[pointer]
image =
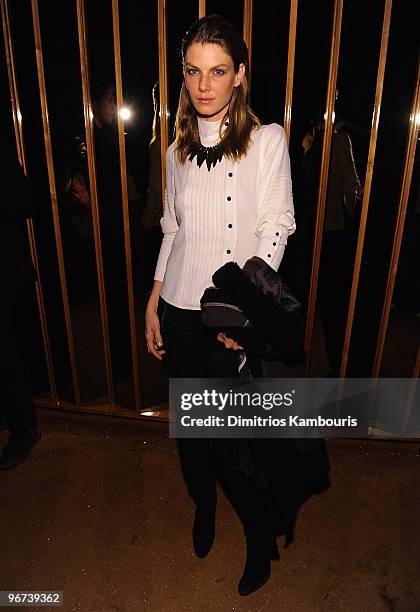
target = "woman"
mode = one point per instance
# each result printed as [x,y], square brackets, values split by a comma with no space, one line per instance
[228,198]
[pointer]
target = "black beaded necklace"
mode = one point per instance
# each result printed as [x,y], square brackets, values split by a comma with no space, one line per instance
[210,155]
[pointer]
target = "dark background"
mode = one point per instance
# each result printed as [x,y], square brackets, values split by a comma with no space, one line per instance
[359,54]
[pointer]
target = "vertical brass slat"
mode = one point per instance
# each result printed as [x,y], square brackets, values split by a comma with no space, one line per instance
[87,110]
[326,148]
[248,13]
[20,144]
[11,73]
[163,88]
[53,192]
[126,216]
[290,68]
[368,184]
[201,8]
[399,227]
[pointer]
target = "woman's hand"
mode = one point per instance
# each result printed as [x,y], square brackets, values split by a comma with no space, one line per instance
[229,343]
[152,326]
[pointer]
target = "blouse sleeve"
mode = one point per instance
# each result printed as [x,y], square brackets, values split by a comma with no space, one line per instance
[169,221]
[275,219]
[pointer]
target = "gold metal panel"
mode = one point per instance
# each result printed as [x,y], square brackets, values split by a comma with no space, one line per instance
[290,68]
[11,73]
[248,13]
[163,89]
[123,167]
[53,192]
[201,8]
[325,161]
[399,226]
[20,145]
[368,183]
[112,407]
[88,114]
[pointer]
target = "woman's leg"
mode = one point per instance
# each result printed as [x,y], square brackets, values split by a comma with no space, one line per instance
[251,507]
[186,345]
[254,512]
[186,356]
[244,496]
[239,489]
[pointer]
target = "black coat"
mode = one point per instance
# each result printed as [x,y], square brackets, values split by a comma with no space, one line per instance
[290,470]
[17,203]
[278,326]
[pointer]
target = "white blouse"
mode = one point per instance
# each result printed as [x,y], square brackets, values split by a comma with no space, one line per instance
[235,211]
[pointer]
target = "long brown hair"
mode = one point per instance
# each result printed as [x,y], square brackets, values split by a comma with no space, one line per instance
[236,138]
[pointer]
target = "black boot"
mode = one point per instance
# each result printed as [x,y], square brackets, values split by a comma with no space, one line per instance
[314,487]
[260,546]
[256,518]
[198,470]
[204,528]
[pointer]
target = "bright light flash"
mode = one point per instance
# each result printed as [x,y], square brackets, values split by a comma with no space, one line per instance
[333,116]
[125,113]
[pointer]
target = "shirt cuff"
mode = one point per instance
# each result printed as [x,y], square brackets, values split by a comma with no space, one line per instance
[271,251]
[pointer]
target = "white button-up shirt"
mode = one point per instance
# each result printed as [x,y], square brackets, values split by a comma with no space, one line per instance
[230,213]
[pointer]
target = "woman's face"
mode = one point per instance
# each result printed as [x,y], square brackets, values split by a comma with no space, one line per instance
[210,78]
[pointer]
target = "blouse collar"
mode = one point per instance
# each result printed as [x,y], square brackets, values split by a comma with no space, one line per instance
[209,131]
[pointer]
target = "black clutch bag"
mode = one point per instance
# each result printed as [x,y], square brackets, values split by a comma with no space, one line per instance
[219,310]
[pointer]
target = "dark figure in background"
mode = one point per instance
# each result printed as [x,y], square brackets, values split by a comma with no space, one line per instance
[339,233]
[112,225]
[151,231]
[76,222]
[18,202]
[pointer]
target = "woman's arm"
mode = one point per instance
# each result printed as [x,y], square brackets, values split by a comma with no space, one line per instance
[170,226]
[275,220]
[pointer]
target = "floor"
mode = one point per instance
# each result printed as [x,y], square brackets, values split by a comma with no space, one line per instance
[100,512]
